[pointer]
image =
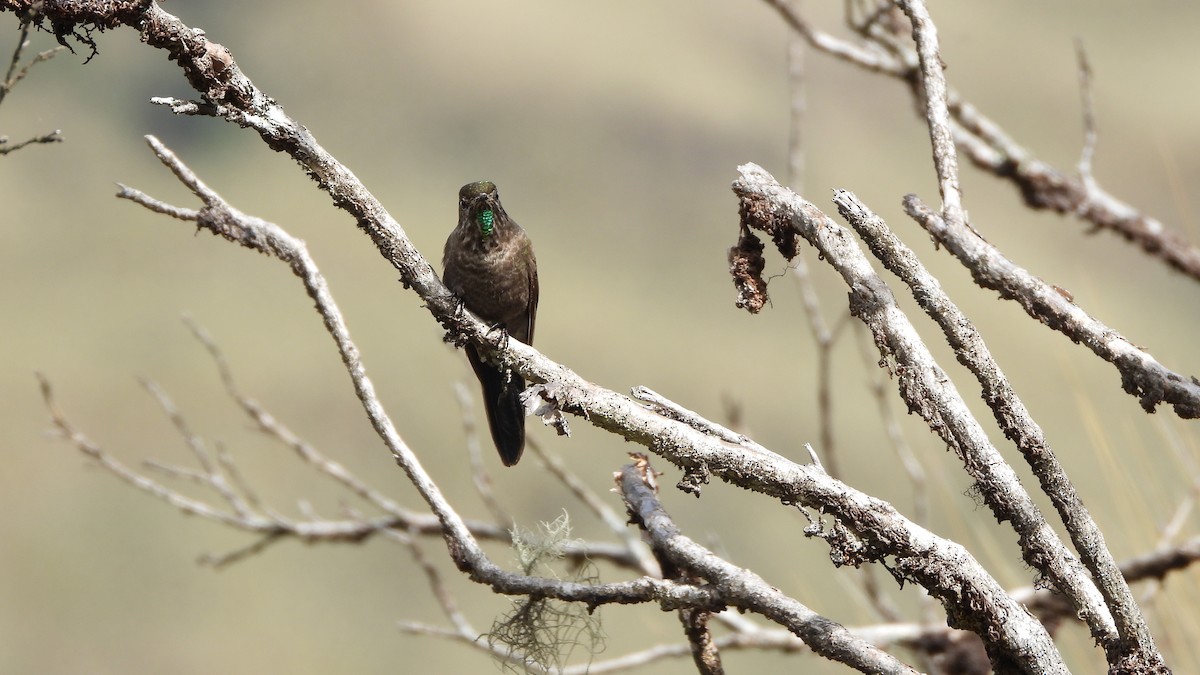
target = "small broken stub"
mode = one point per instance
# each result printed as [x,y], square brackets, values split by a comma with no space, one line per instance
[693,481]
[545,401]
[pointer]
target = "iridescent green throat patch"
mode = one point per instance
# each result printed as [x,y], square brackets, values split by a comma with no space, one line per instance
[486,219]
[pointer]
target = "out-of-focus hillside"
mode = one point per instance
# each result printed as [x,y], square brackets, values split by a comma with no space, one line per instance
[613,131]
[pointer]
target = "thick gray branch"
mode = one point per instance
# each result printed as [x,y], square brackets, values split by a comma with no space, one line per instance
[1141,375]
[743,588]
[1010,413]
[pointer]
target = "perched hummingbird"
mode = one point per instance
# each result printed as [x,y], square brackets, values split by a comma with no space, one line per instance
[488,263]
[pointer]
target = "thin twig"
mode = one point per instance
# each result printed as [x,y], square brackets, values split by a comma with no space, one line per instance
[218,561]
[706,654]
[434,579]
[798,110]
[52,137]
[1087,104]
[937,112]
[1183,510]
[614,522]
[273,527]
[185,504]
[668,408]
[479,471]
[193,441]
[225,459]
[14,75]
[270,425]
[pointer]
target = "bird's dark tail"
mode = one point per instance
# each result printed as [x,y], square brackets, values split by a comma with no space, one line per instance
[502,401]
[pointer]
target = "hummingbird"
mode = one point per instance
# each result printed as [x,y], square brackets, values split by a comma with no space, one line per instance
[489,265]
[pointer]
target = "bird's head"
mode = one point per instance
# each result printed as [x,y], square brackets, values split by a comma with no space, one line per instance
[479,207]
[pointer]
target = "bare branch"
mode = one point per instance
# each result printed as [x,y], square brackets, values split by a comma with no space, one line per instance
[1044,187]
[743,588]
[646,564]
[920,557]
[987,146]
[479,472]
[861,55]
[1088,105]
[434,579]
[16,72]
[270,425]
[1011,415]
[937,113]
[1141,374]
[273,528]
[1165,560]
[185,504]
[13,75]
[670,409]
[259,235]
[706,655]
[863,529]
[1154,566]
[52,137]
[923,384]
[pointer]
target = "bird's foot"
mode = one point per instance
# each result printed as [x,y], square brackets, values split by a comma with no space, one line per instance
[503,334]
[454,328]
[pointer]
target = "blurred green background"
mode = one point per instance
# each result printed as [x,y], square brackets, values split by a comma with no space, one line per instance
[613,130]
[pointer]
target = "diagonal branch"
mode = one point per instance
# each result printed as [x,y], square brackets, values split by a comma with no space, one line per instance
[741,587]
[989,148]
[1011,415]
[220,218]
[786,217]
[1141,375]
[870,530]
[972,598]
[271,426]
